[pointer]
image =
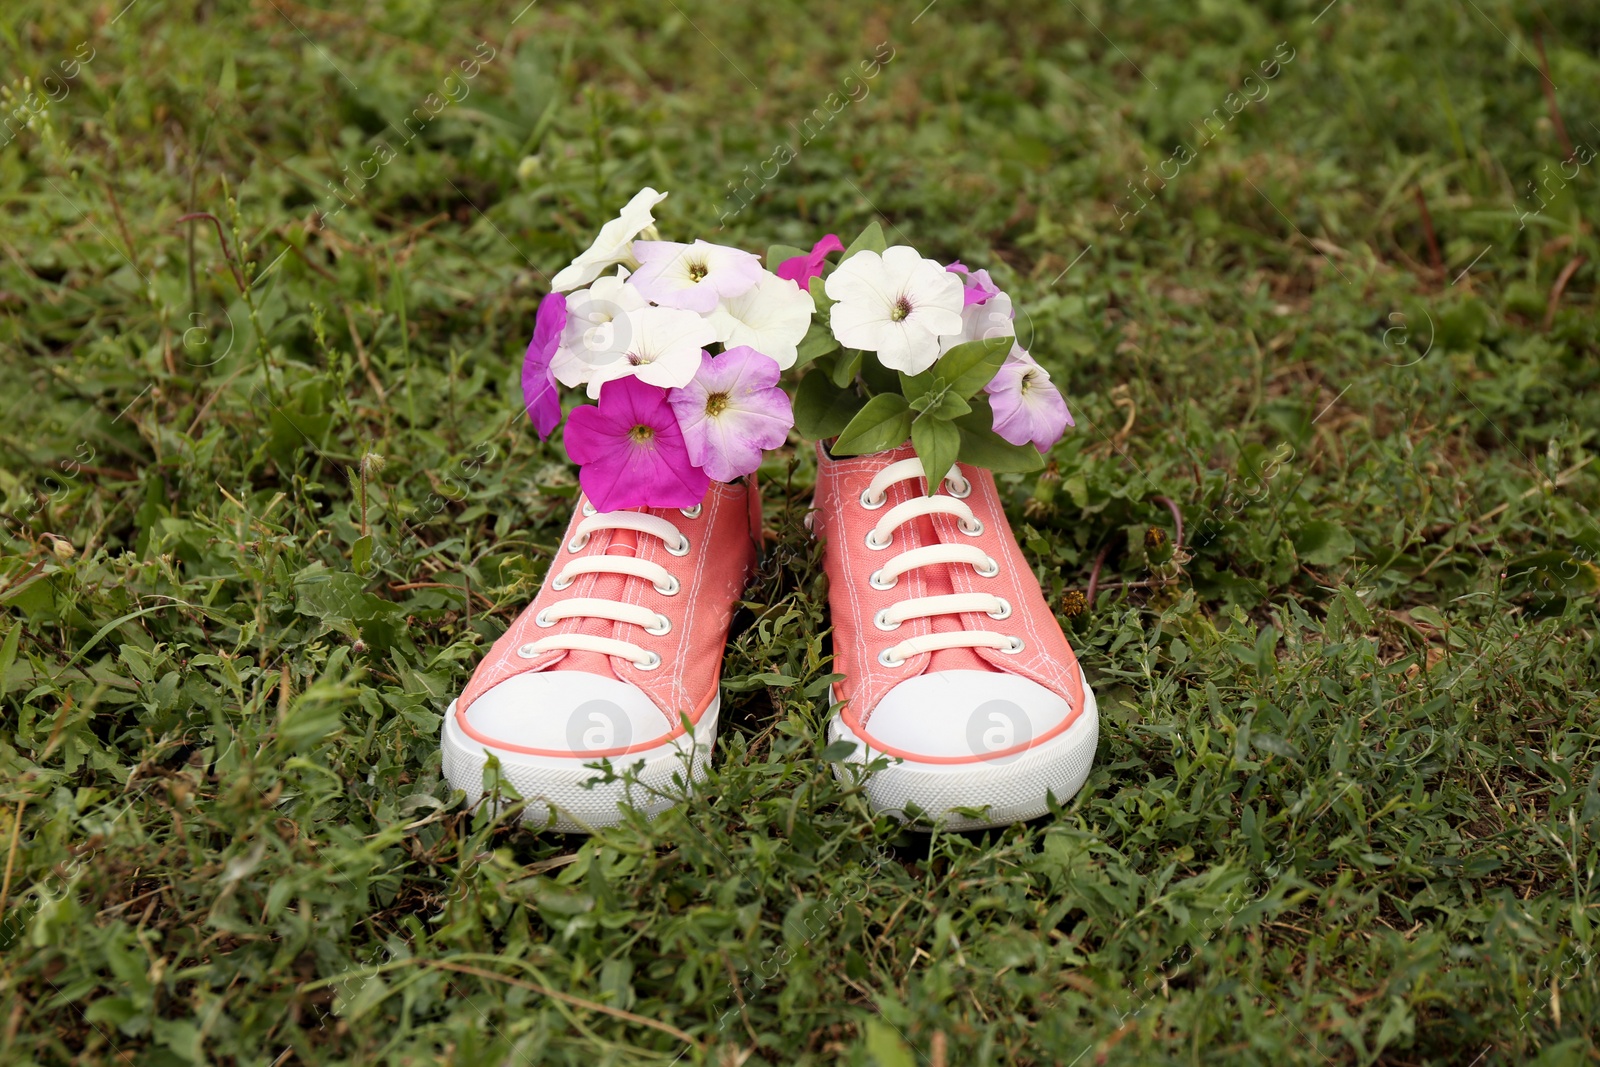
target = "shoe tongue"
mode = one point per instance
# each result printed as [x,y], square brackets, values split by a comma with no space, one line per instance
[938,579]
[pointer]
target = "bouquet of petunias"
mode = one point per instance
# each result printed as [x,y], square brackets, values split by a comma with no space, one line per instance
[683,346]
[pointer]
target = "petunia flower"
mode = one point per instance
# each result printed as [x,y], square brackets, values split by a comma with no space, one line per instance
[538,384]
[896,304]
[693,277]
[772,318]
[801,269]
[732,412]
[630,452]
[657,345]
[977,285]
[614,243]
[1027,407]
[597,329]
[980,322]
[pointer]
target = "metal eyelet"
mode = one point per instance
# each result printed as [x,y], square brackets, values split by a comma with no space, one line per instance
[589,510]
[527,651]
[649,663]
[540,620]
[578,543]
[882,623]
[691,513]
[874,545]
[958,487]
[673,585]
[660,629]
[888,660]
[561,581]
[870,504]
[1014,647]
[974,530]
[680,549]
[1004,612]
[991,570]
[876,581]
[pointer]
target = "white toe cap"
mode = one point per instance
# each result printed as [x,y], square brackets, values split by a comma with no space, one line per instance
[587,715]
[964,714]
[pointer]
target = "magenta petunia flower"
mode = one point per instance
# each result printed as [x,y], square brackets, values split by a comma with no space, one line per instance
[539,394]
[1027,407]
[801,269]
[732,412]
[630,452]
[976,285]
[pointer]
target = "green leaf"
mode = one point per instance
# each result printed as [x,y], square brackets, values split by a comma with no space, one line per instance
[844,372]
[883,423]
[879,379]
[937,443]
[8,654]
[1554,572]
[870,240]
[776,254]
[982,447]
[821,409]
[948,407]
[1324,544]
[923,389]
[819,341]
[819,295]
[885,1048]
[361,554]
[838,751]
[971,366]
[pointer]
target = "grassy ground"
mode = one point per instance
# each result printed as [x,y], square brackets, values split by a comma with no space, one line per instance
[1345,803]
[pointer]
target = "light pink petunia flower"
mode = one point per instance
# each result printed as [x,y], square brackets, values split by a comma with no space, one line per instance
[693,277]
[1027,407]
[732,412]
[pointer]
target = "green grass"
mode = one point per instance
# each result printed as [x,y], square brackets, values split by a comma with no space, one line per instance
[1345,804]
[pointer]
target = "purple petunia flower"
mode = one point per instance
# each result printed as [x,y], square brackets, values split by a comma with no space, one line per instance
[732,412]
[1027,407]
[977,286]
[630,451]
[801,269]
[538,383]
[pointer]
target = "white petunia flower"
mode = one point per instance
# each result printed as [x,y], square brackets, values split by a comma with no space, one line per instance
[897,304]
[596,333]
[663,347]
[772,318]
[693,277]
[613,245]
[979,322]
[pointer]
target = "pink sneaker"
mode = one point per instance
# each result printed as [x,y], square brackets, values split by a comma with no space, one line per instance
[621,646]
[953,664]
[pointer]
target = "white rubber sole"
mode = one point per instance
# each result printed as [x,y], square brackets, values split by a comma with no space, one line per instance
[1008,790]
[557,786]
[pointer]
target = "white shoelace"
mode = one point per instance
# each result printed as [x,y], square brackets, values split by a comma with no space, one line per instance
[665,582]
[881,537]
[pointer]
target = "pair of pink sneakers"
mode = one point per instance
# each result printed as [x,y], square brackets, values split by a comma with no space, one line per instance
[954,667]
